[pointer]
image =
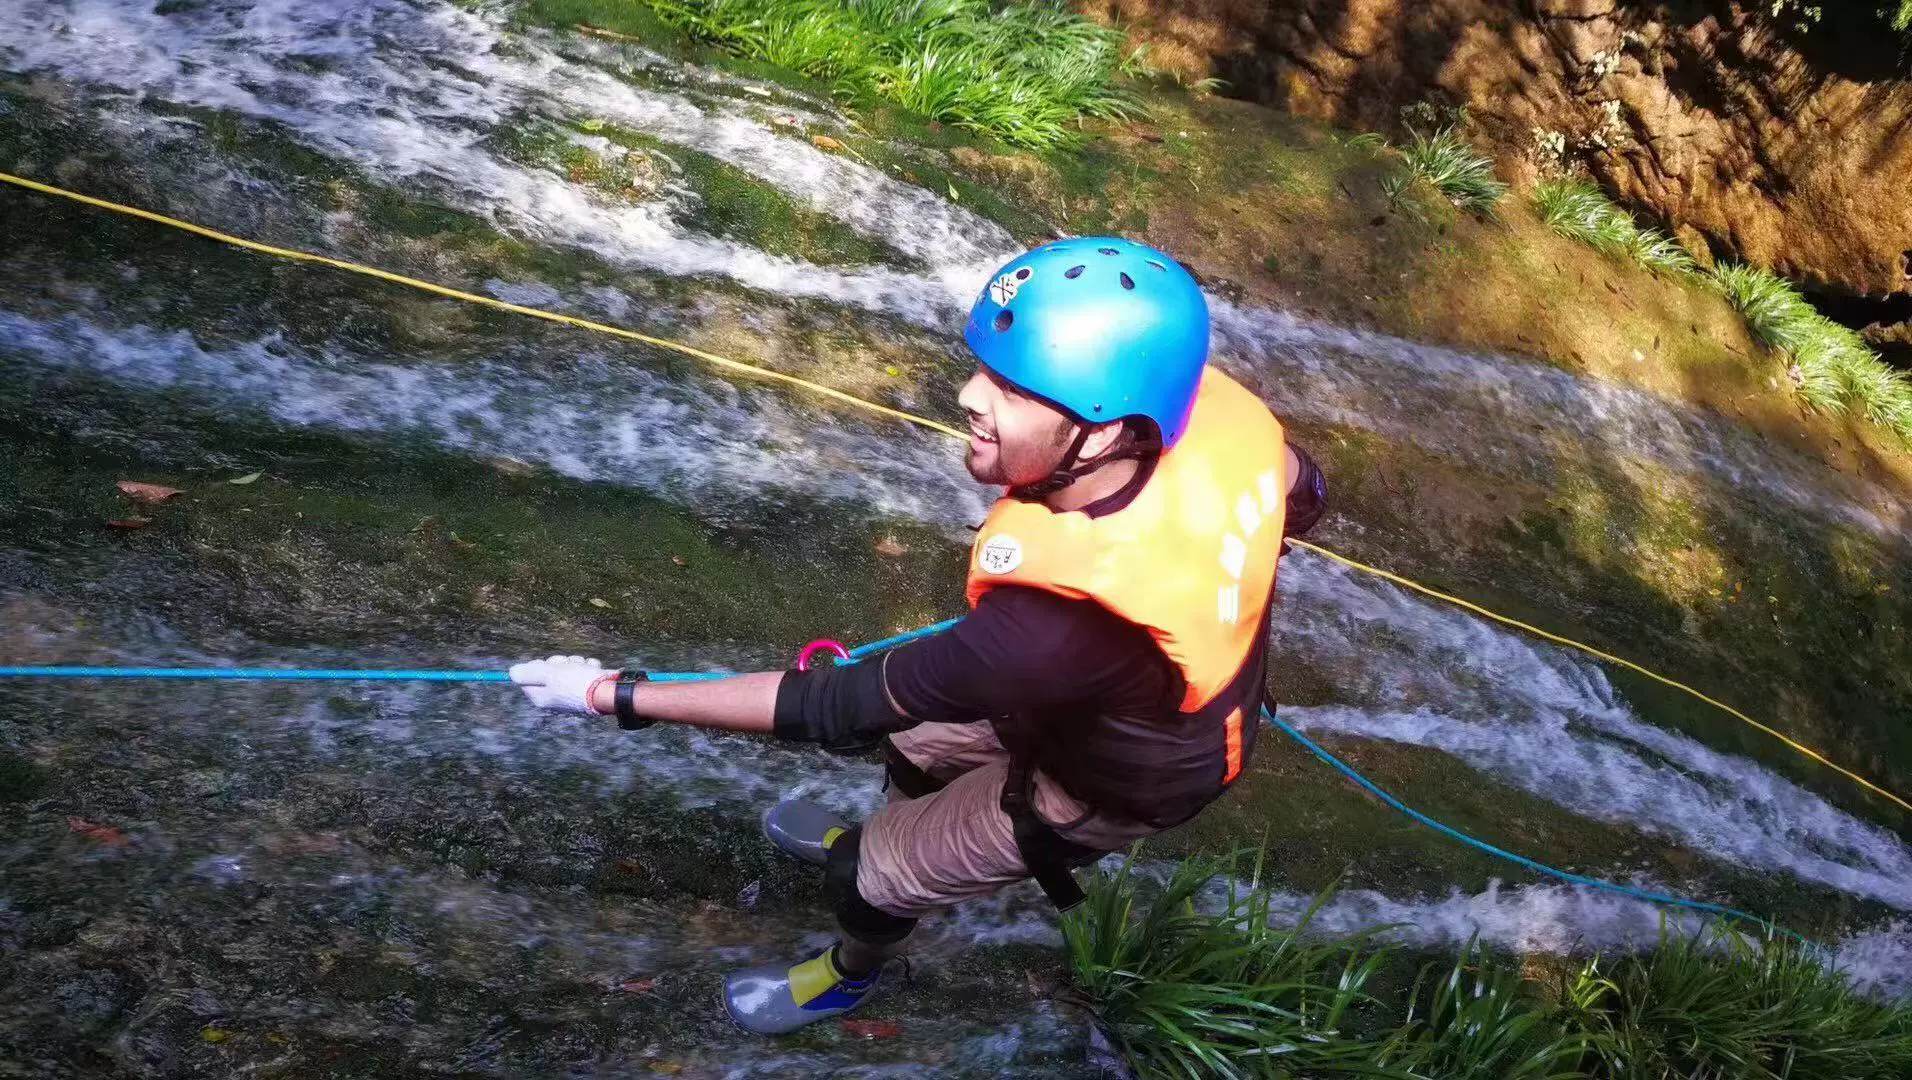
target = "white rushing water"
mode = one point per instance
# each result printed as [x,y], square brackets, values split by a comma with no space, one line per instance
[1549,722]
[410,91]
[1484,410]
[706,441]
[1564,919]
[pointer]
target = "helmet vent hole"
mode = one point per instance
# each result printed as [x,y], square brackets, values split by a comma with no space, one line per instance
[1128,282]
[1108,251]
[1158,266]
[1023,274]
[1073,272]
[1004,320]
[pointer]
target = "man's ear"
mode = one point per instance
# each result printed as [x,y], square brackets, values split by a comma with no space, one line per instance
[1102,437]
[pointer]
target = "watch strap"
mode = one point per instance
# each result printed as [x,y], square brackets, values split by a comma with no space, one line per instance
[624,701]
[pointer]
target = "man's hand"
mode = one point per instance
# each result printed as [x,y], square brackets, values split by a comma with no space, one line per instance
[561,682]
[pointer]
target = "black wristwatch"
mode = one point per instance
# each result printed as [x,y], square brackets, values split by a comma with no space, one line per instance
[624,703]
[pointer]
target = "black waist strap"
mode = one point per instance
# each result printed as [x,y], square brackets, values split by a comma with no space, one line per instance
[1045,853]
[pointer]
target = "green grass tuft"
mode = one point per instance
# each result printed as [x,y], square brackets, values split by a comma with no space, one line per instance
[1193,993]
[1444,160]
[1580,211]
[1725,1004]
[1026,73]
[1187,985]
[1833,367]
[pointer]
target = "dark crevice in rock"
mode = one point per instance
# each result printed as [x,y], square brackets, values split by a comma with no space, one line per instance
[1884,321]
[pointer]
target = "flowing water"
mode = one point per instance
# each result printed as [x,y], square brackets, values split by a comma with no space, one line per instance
[201,879]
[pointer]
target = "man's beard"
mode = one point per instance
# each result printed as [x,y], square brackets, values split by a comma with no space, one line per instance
[999,473]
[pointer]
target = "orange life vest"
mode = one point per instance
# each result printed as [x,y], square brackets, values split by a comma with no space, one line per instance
[1191,559]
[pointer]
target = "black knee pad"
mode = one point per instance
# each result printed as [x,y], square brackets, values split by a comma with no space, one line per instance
[902,774]
[854,914]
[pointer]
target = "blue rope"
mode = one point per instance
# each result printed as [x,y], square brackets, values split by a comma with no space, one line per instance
[375,675]
[1523,861]
[873,647]
[286,674]
[862,652]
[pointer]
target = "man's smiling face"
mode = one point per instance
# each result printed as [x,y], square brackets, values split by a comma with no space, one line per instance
[1014,439]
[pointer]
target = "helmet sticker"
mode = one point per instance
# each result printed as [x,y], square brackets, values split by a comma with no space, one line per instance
[1000,555]
[1003,289]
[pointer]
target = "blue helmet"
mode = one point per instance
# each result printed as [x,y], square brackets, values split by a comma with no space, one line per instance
[1105,328]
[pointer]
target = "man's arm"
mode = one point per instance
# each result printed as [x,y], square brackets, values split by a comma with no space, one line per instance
[1021,649]
[745,703]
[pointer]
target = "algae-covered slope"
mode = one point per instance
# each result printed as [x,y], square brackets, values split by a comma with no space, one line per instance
[408,880]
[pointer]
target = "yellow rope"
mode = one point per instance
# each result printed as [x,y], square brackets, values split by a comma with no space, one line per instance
[850,399]
[473,298]
[1607,656]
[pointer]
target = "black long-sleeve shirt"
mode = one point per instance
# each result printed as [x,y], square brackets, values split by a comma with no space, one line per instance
[1022,649]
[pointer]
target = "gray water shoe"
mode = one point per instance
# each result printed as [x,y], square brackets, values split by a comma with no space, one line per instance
[803,829]
[778,999]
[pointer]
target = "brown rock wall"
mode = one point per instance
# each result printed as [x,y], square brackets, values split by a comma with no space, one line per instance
[1697,113]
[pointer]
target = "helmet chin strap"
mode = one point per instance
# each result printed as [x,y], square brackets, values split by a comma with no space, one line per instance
[1065,473]
[1071,468]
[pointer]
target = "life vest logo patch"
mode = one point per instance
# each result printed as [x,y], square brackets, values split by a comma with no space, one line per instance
[1000,555]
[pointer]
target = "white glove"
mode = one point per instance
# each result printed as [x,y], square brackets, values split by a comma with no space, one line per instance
[561,682]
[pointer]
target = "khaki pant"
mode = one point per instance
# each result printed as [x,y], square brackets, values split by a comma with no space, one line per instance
[919,855]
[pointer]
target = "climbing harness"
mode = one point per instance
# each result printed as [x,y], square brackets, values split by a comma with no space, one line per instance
[853,655]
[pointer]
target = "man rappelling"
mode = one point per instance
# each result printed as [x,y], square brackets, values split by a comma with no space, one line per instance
[1108,682]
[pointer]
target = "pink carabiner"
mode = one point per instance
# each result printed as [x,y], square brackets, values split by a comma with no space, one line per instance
[817,646]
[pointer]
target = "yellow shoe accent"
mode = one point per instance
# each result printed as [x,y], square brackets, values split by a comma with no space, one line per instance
[830,836]
[813,977]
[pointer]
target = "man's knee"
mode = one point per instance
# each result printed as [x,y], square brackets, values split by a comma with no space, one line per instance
[857,916]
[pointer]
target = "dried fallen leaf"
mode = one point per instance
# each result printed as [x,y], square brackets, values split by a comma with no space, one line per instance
[105,834]
[680,560]
[893,371]
[784,121]
[276,1039]
[600,602]
[249,478]
[631,867]
[603,33]
[891,548]
[129,523]
[871,1029]
[637,986]
[214,1035]
[512,466]
[824,142]
[146,493]
[593,124]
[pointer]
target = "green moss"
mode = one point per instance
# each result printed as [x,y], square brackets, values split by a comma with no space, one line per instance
[733,204]
[20,780]
[366,538]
